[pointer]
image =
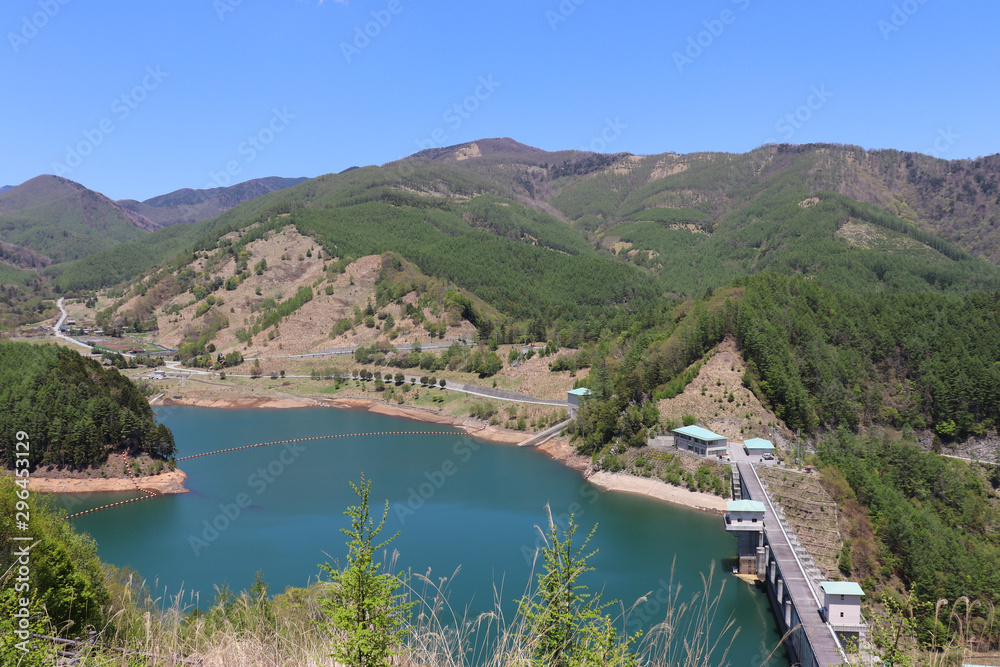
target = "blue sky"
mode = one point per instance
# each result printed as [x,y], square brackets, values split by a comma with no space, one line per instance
[135,99]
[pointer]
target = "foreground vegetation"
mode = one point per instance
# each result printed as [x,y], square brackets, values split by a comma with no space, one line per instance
[363,614]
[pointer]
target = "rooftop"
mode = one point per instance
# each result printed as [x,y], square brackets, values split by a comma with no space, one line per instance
[841,588]
[745,506]
[758,443]
[580,391]
[699,432]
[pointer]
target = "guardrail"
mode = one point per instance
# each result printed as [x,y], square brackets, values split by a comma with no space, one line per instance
[795,555]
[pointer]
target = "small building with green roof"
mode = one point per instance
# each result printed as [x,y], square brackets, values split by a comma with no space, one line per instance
[700,441]
[842,607]
[575,396]
[759,447]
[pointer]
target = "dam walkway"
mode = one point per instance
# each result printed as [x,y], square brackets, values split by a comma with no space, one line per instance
[791,591]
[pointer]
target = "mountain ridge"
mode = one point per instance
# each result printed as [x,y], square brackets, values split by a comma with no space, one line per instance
[61,220]
[193,205]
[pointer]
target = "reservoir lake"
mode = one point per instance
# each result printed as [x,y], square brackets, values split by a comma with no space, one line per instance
[459,503]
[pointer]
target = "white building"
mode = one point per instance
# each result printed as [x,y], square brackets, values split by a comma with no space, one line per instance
[700,441]
[745,518]
[842,606]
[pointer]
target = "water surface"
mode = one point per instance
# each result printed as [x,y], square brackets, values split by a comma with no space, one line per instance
[458,503]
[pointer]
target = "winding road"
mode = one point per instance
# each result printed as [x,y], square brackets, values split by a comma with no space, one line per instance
[464,388]
[58,328]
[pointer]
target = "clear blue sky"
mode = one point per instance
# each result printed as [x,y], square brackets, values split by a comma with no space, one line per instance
[165,95]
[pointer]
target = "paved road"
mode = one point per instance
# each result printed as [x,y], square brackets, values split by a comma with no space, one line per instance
[804,596]
[542,436]
[335,351]
[475,390]
[58,329]
[502,395]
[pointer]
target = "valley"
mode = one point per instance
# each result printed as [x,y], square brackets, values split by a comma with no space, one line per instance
[776,294]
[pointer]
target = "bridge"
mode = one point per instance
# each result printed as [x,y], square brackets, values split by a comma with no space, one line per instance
[796,604]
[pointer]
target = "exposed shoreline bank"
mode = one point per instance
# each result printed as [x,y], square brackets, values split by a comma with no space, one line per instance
[558,448]
[166,483]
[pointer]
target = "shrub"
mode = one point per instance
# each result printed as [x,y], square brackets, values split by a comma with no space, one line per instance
[367,611]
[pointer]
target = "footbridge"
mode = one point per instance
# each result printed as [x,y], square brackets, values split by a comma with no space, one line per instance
[810,640]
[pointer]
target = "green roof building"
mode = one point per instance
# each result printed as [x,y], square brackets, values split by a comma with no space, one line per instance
[700,441]
[575,396]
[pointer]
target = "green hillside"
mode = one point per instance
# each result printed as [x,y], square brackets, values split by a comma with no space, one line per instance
[63,220]
[523,262]
[188,205]
[75,411]
[124,261]
[693,222]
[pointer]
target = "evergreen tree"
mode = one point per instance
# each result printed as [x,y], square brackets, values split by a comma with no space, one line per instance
[367,612]
[567,626]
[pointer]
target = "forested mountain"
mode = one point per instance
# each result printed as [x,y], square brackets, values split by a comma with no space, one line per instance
[74,411]
[187,205]
[694,221]
[580,246]
[63,220]
[50,219]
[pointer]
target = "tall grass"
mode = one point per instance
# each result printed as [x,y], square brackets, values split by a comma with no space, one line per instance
[289,629]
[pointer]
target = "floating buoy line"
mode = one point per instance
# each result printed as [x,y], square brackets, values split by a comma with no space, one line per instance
[152,494]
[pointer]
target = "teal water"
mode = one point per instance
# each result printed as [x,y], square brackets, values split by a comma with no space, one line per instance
[458,502]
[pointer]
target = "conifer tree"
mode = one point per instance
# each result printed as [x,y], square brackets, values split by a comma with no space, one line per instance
[367,613]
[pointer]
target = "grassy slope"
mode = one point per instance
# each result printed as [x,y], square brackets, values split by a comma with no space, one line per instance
[62,219]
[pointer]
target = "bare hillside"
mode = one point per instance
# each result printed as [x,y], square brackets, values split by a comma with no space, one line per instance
[294,261]
[707,399]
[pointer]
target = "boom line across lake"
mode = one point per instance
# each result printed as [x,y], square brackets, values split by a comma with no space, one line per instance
[259,444]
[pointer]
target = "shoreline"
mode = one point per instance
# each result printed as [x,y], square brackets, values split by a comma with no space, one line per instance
[557,448]
[166,483]
[645,486]
[470,425]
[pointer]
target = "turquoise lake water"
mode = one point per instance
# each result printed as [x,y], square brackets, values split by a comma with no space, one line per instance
[458,502]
